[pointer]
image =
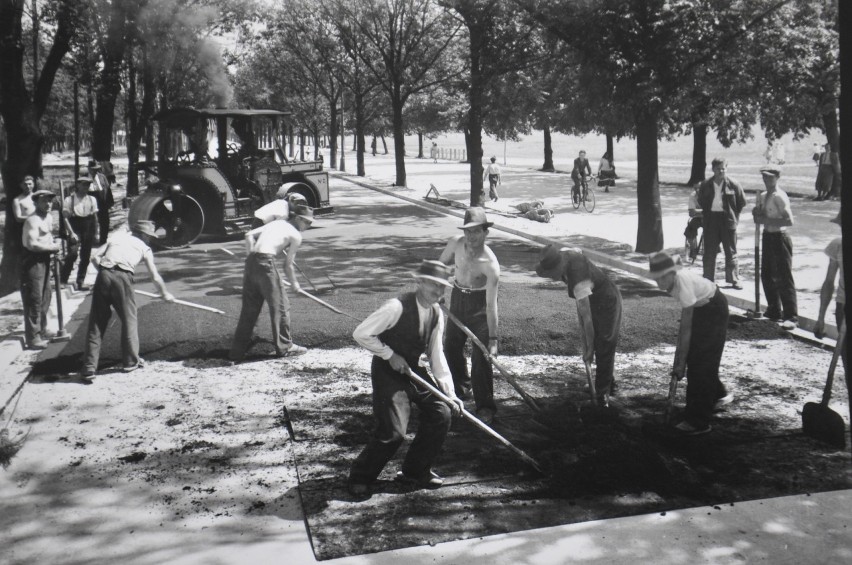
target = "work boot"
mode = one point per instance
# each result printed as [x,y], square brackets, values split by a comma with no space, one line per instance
[430,481]
[38,343]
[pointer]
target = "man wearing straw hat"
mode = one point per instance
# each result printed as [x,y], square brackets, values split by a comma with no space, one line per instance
[102,191]
[116,263]
[38,246]
[397,334]
[700,341]
[598,310]
[474,303]
[262,282]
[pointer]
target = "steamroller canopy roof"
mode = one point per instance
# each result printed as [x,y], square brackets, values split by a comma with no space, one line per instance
[179,117]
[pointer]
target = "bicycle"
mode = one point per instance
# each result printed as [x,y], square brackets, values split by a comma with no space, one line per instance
[585,195]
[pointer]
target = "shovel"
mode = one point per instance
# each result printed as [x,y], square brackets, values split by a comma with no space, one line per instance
[671,398]
[818,420]
[754,314]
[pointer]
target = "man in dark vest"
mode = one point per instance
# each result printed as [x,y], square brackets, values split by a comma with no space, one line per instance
[397,334]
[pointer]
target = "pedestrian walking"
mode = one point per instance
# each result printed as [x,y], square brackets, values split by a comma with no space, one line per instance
[598,310]
[262,282]
[700,342]
[606,172]
[79,212]
[773,211]
[23,205]
[116,263]
[100,188]
[433,152]
[37,251]
[397,334]
[474,302]
[825,173]
[494,175]
[721,200]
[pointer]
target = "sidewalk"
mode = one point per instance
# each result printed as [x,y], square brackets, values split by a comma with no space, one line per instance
[797,529]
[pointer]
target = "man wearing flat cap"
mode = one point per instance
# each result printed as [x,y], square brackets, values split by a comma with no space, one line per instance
[598,310]
[116,263]
[474,303]
[773,211]
[721,200]
[79,212]
[397,334]
[262,282]
[101,190]
[39,246]
[700,341]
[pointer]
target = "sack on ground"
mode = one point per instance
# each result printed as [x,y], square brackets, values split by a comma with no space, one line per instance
[540,215]
[527,206]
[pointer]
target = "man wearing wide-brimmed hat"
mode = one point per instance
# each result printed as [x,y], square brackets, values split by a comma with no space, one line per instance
[700,342]
[397,334]
[79,212]
[474,303]
[262,282]
[102,191]
[116,263]
[598,310]
[773,211]
[39,246]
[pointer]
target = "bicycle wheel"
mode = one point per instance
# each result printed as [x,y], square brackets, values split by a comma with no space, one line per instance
[589,200]
[575,199]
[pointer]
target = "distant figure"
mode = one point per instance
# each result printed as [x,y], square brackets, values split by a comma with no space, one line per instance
[825,173]
[23,205]
[694,224]
[606,172]
[581,165]
[773,211]
[373,146]
[494,176]
[721,200]
[433,153]
[101,190]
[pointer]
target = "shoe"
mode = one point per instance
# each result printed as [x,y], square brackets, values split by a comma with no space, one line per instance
[86,373]
[431,481]
[82,287]
[358,489]
[686,429]
[723,401]
[736,286]
[38,343]
[293,351]
[772,315]
[485,415]
[139,364]
[789,325]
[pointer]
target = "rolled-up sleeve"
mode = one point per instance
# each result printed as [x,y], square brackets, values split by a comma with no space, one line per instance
[437,360]
[367,332]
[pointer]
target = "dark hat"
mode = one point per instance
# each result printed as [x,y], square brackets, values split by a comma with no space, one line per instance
[304,212]
[836,219]
[145,226]
[86,181]
[475,216]
[434,271]
[549,258]
[772,170]
[42,192]
[662,263]
[94,165]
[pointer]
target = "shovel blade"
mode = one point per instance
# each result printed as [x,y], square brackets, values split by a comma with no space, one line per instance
[822,423]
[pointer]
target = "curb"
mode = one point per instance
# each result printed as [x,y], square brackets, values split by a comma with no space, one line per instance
[803,333]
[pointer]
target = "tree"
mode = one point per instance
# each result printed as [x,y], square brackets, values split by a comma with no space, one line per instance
[22,109]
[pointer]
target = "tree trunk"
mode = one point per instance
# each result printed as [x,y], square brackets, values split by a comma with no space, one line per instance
[649,236]
[110,83]
[473,142]
[473,126]
[832,135]
[332,132]
[398,139]
[361,135]
[385,144]
[548,150]
[610,148]
[419,144]
[699,154]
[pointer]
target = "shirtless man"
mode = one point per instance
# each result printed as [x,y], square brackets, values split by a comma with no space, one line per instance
[262,282]
[474,303]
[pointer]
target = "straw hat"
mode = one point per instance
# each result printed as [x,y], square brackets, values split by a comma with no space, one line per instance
[42,192]
[304,212]
[771,170]
[475,216]
[662,263]
[434,271]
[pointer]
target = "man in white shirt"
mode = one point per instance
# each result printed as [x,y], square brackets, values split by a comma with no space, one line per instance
[79,212]
[700,341]
[494,176]
[773,211]
[397,334]
[39,246]
[101,189]
[262,282]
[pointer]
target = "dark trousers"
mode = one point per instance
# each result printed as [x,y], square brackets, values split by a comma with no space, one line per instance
[85,229]
[707,342]
[35,293]
[716,231]
[469,308]
[262,283]
[776,273]
[606,319]
[103,215]
[393,394]
[113,289]
[492,186]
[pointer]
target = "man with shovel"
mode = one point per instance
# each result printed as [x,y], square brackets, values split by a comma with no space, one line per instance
[397,334]
[598,310]
[474,303]
[262,282]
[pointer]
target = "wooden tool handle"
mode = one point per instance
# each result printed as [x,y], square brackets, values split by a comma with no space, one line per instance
[838,347]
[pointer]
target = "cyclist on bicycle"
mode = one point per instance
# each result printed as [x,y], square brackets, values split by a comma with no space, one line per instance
[581,165]
[695,222]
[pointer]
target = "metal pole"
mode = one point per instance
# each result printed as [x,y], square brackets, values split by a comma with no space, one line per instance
[342,134]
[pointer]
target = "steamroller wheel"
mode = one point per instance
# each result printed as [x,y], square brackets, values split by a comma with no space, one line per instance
[178,220]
